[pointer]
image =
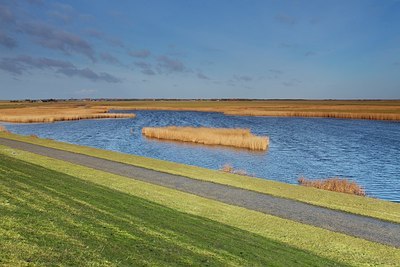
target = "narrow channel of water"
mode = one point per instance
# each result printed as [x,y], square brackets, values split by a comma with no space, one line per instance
[365,151]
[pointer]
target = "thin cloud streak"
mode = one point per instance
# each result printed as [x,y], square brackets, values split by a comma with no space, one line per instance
[108,58]
[285,19]
[310,53]
[57,39]
[276,71]
[144,53]
[243,78]
[103,37]
[6,16]
[169,65]
[22,64]
[89,74]
[7,41]
[201,75]
[146,68]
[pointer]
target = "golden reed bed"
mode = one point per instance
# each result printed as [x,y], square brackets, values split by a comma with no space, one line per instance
[338,115]
[361,114]
[344,109]
[52,114]
[241,138]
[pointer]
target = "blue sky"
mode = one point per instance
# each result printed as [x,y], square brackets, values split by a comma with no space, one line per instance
[200,49]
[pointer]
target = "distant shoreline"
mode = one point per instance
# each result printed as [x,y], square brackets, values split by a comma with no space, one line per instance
[45,110]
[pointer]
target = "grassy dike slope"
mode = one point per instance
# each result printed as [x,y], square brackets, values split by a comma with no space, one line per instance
[56,212]
[354,204]
[48,217]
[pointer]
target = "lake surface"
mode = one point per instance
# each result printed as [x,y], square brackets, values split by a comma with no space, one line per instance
[367,152]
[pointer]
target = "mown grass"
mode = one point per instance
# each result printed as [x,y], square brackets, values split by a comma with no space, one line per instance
[50,218]
[354,204]
[241,138]
[326,244]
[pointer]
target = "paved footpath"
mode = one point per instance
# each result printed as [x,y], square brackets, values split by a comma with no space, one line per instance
[355,225]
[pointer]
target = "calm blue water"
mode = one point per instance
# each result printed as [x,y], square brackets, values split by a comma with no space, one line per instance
[365,151]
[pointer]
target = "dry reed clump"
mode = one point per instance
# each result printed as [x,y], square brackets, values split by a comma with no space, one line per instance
[241,138]
[229,169]
[52,114]
[334,184]
[3,129]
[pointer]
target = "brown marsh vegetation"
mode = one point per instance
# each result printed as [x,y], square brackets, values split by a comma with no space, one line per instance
[230,169]
[56,113]
[339,115]
[241,138]
[334,184]
[345,109]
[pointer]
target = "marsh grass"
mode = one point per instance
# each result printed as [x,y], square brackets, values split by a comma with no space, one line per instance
[320,114]
[344,109]
[334,184]
[54,118]
[59,113]
[241,138]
